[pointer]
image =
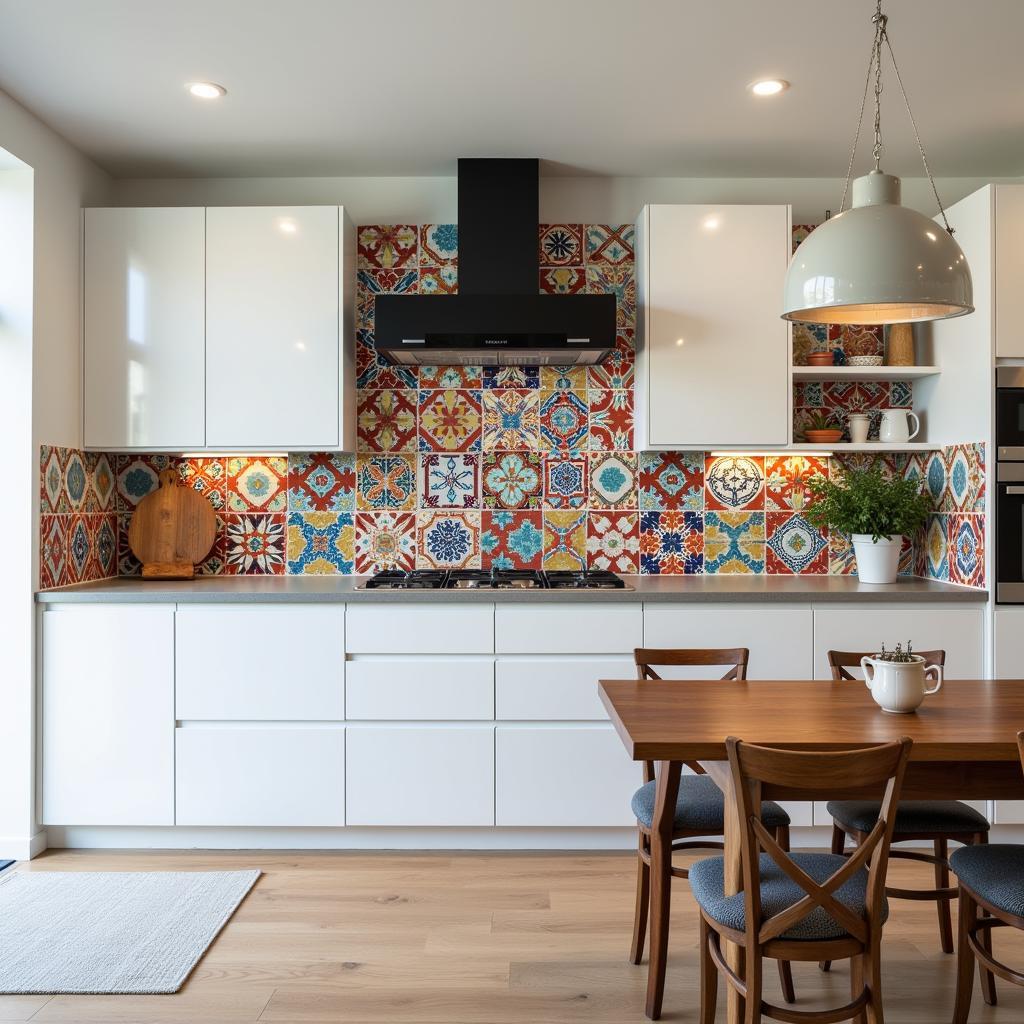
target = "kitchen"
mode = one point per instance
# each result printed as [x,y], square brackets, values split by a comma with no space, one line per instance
[362,466]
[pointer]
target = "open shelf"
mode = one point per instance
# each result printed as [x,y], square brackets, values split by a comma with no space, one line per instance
[867,446]
[863,372]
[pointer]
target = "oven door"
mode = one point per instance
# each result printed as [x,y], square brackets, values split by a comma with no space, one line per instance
[1010,424]
[1010,533]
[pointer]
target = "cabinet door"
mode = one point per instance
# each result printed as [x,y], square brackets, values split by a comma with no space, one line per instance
[419,628]
[108,716]
[272,327]
[144,331]
[555,689]
[420,775]
[260,775]
[714,352]
[1009,270]
[420,689]
[568,628]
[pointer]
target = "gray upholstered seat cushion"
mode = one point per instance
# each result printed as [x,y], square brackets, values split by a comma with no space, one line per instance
[995,873]
[778,892]
[912,816]
[700,807]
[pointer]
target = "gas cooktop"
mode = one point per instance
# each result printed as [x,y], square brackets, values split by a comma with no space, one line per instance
[494,579]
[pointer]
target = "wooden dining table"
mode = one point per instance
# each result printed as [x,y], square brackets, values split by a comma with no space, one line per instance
[965,747]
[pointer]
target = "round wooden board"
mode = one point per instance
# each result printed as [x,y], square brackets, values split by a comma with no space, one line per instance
[172,530]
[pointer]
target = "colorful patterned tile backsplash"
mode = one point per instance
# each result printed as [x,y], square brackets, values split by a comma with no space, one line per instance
[514,467]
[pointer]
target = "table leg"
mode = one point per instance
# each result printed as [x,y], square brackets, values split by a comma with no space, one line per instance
[666,792]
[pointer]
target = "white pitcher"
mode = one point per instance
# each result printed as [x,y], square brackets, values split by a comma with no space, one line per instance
[898,686]
[895,427]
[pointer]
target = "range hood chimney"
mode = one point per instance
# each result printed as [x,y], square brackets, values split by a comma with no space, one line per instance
[498,317]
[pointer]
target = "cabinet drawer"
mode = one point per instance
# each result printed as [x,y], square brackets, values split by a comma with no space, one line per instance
[420,775]
[260,775]
[412,688]
[260,663]
[568,629]
[553,689]
[420,629]
[563,776]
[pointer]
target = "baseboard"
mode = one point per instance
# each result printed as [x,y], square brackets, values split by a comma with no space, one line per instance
[23,847]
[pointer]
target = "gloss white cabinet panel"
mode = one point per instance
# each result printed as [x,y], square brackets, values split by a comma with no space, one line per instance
[712,351]
[568,628]
[563,776]
[420,628]
[273,327]
[1009,270]
[1009,642]
[143,309]
[395,689]
[263,662]
[260,775]
[420,775]
[779,638]
[555,689]
[108,715]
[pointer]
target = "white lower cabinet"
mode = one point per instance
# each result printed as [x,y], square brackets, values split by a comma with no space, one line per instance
[396,689]
[260,775]
[563,776]
[420,775]
[568,628]
[555,689]
[108,715]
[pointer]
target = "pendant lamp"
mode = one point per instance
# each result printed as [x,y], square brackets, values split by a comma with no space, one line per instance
[878,262]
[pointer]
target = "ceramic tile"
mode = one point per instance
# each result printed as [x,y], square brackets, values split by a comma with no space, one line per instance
[671,543]
[906,562]
[620,281]
[207,477]
[565,481]
[386,421]
[611,420]
[137,475]
[102,560]
[733,482]
[53,550]
[447,377]
[320,543]
[901,395]
[439,281]
[373,372]
[808,394]
[511,540]
[734,542]
[391,281]
[321,482]
[254,544]
[613,482]
[511,377]
[100,495]
[385,482]
[613,541]
[511,420]
[257,484]
[935,479]
[512,480]
[385,541]
[855,396]
[450,480]
[450,420]
[794,546]
[856,340]
[439,245]
[215,563]
[609,243]
[841,560]
[671,481]
[787,479]
[564,378]
[127,563]
[560,245]
[562,280]
[565,540]
[966,549]
[52,496]
[448,540]
[76,480]
[617,370]
[386,246]
[563,421]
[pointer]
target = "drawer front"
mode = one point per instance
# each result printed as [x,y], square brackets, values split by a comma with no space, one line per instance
[568,629]
[555,689]
[257,775]
[420,775]
[420,629]
[259,664]
[417,689]
[563,776]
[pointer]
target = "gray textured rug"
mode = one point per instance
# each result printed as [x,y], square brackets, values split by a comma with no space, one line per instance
[104,932]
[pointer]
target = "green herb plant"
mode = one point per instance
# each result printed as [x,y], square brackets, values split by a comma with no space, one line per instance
[820,420]
[865,501]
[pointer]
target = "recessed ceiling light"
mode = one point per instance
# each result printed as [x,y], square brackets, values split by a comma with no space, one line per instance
[207,90]
[768,86]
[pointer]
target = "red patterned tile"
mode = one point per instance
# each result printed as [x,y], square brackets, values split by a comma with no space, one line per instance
[387,246]
[512,480]
[439,281]
[611,420]
[209,477]
[794,547]
[254,544]
[671,481]
[385,541]
[787,479]
[386,421]
[321,482]
[439,245]
[613,541]
[562,280]
[966,549]
[609,243]
[561,245]
[450,420]
[53,550]
[512,540]
[257,484]
[374,372]
[445,378]
[734,482]
[617,369]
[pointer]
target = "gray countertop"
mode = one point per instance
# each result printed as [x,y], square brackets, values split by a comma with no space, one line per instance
[319,589]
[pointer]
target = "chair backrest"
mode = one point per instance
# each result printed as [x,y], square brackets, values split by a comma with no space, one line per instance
[1020,746]
[736,657]
[840,661]
[752,766]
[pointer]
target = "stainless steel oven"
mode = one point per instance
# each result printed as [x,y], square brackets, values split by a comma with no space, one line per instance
[1009,500]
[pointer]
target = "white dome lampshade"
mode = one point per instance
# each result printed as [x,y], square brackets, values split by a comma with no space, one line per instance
[877,263]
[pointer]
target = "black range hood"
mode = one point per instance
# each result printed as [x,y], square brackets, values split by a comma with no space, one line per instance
[497,318]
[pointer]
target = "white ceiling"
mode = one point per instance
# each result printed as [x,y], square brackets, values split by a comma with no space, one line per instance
[403,87]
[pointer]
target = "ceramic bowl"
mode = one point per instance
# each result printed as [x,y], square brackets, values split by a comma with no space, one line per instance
[864,360]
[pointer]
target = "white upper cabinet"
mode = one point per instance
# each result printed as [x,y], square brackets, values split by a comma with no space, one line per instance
[143,328]
[1009,270]
[712,350]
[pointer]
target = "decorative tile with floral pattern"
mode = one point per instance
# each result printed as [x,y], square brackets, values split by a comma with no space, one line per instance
[734,542]
[79,547]
[841,559]
[966,549]
[511,420]
[512,480]
[563,280]
[617,370]
[611,421]
[320,543]
[137,475]
[613,541]
[935,479]
[321,482]
[671,481]
[449,480]
[386,421]
[609,243]
[439,280]
[787,478]
[448,540]
[51,468]
[511,377]
[563,421]
[257,484]
[373,372]
[254,544]
[386,246]
[564,378]
[794,546]
[208,477]
[53,550]
[734,482]
[561,245]
[102,562]
[385,482]
[439,245]
[565,540]
[511,540]
[935,548]
[385,541]
[671,543]
[565,481]
[447,377]
[76,480]
[450,420]
[100,493]
[612,480]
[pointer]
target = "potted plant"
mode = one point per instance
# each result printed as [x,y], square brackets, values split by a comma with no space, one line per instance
[876,511]
[822,427]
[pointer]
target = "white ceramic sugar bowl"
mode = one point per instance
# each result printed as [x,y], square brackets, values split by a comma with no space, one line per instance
[899,686]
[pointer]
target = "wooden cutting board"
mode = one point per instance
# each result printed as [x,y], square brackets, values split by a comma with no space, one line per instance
[172,530]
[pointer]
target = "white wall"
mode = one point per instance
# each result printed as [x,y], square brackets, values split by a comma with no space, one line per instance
[43,404]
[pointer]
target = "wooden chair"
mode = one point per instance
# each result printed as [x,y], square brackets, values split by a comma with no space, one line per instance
[799,906]
[700,808]
[936,821]
[992,884]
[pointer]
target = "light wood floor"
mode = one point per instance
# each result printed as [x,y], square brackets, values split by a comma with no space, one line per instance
[454,939]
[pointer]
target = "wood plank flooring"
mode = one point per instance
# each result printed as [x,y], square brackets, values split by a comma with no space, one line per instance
[468,939]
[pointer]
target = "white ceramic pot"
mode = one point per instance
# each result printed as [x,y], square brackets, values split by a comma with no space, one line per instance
[895,426]
[899,687]
[878,561]
[859,422]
